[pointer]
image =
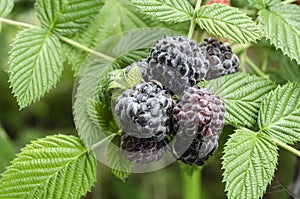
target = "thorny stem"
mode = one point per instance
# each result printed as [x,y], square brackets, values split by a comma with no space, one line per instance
[191,184]
[193,20]
[62,38]
[286,147]
[256,69]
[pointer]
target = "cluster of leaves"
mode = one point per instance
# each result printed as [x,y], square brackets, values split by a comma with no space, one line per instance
[264,114]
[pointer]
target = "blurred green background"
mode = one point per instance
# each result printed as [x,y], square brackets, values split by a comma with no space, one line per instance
[53,115]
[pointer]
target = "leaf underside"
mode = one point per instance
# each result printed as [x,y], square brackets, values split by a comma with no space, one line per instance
[57,166]
[249,164]
[279,114]
[281,25]
[242,95]
[227,22]
[35,65]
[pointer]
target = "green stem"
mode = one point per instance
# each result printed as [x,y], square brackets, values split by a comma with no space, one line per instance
[243,61]
[288,1]
[17,23]
[98,144]
[236,49]
[82,47]
[193,20]
[191,184]
[62,38]
[264,66]
[256,69]
[287,147]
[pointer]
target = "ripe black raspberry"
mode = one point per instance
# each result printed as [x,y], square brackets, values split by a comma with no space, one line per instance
[142,150]
[142,66]
[176,62]
[221,59]
[198,119]
[144,111]
[198,151]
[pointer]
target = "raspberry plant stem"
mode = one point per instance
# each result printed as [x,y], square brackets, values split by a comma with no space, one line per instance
[62,38]
[288,1]
[98,144]
[286,147]
[191,184]
[256,69]
[193,20]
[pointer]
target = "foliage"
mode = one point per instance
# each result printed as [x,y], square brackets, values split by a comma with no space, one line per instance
[60,167]
[263,113]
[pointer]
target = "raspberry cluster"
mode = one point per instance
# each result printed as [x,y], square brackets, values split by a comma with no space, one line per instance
[150,118]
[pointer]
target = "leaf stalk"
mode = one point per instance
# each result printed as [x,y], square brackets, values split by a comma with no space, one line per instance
[288,1]
[286,147]
[193,19]
[256,69]
[62,38]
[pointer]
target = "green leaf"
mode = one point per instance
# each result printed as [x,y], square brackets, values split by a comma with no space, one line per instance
[118,80]
[35,65]
[290,69]
[6,7]
[227,22]
[109,25]
[95,68]
[242,95]
[66,17]
[281,25]
[7,150]
[102,117]
[166,10]
[118,163]
[279,114]
[261,4]
[57,166]
[249,164]
[134,76]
